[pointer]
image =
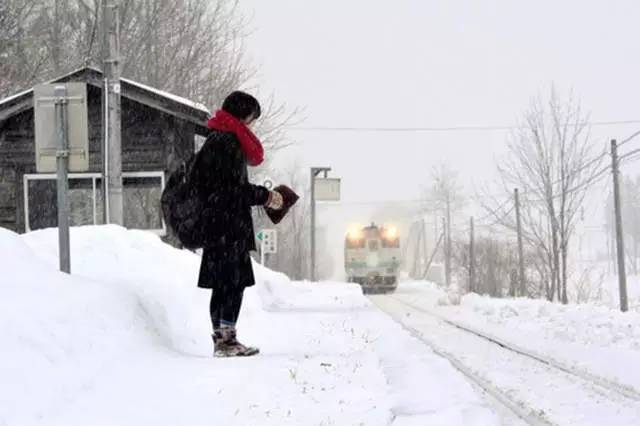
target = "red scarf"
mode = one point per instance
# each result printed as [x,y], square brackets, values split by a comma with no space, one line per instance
[251,146]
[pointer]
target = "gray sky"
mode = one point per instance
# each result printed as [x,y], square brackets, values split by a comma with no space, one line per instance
[437,63]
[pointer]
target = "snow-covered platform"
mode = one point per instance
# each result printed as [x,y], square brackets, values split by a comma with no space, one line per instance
[125,341]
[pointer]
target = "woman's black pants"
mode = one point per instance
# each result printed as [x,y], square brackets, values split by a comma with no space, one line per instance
[225,305]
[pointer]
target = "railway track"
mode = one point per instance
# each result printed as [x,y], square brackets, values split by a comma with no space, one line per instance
[537,389]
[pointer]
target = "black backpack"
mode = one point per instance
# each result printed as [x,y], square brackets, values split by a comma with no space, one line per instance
[182,207]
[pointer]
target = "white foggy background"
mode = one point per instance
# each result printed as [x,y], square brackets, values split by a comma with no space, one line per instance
[439,64]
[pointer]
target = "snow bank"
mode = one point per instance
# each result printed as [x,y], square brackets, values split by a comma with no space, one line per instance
[125,340]
[591,337]
[585,324]
[279,293]
[55,337]
[159,278]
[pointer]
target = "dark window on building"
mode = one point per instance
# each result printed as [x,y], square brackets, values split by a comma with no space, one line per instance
[142,202]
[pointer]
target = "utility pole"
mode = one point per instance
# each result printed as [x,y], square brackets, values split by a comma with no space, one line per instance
[315,171]
[114,209]
[417,258]
[425,242]
[472,261]
[521,277]
[447,253]
[622,273]
[448,240]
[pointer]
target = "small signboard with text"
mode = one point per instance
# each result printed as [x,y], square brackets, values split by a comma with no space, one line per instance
[47,134]
[268,241]
[327,189]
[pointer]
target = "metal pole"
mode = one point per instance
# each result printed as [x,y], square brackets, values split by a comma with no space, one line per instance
[105,155]
[472,271]
[314,172]
[622,273]
[62,160]
[312,271]
[521,277]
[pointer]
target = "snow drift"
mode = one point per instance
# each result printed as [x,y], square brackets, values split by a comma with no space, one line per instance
[124,340]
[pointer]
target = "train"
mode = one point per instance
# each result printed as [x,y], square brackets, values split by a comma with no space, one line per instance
[372,257]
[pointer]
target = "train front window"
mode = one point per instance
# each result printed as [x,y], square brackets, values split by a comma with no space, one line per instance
[355,243]
[373,245]
[391,243]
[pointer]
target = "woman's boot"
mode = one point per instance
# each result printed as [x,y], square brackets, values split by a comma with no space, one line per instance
[225,344]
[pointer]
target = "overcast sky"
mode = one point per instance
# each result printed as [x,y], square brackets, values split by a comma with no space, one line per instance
[437,63]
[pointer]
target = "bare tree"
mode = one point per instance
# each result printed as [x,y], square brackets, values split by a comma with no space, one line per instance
[550,160]
[293,232]
[630,189]
[495,264]
[445,199]
[193,48]
[21,40]
[445,193]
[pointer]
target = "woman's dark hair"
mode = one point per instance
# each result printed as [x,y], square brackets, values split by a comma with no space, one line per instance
[242,105]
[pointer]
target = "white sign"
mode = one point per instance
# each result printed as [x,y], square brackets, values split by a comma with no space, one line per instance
[46,131]
[269,241]
[327,189]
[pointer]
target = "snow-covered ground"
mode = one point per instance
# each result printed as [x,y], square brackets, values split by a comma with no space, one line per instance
[539,391]
[125,341]
[591,337]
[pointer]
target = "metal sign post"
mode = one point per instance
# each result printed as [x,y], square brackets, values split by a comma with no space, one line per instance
[62,159]
[330,191]
[62,145]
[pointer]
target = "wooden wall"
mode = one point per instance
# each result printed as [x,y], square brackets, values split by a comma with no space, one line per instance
[151,140]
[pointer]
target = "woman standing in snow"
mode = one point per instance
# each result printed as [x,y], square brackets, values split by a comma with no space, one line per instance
[221,178]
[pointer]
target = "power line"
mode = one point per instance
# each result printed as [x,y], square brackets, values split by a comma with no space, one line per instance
[457,128]
[629,138]
[592,181]
[629,155]
[633,158]
[494,213]
[419,201]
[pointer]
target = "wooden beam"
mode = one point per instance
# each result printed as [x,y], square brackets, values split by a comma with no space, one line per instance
[15,109]
[132,92]
[165,107]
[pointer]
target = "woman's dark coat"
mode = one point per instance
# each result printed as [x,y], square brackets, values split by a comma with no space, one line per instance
[221,178]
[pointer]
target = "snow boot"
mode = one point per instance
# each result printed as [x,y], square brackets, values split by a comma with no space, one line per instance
[225,344]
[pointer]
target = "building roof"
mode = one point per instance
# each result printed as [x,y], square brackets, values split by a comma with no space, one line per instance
[169,103]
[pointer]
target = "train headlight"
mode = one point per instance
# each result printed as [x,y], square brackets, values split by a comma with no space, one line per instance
[391,233]
[355,233]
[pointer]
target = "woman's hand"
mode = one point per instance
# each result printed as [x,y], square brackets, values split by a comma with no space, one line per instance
[275,200]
